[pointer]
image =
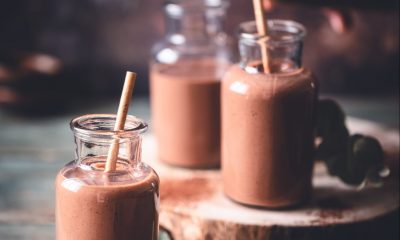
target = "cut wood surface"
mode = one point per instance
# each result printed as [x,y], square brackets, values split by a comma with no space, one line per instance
[193,205]
[29,163]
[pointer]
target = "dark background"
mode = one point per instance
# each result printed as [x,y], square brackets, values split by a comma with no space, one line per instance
[89,44]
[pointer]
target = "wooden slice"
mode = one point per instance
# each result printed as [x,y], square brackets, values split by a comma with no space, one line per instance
[193,205]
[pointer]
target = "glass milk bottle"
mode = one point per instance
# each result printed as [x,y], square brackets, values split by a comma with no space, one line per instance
[268,119]
[92,204]
[185,75]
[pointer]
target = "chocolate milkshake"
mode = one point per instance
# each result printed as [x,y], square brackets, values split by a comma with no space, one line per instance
[267,126]
[92,204]
[185,76]
[185,100]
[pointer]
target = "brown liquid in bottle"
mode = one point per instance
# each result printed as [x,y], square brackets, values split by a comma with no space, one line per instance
[185,100]
[89,208]
[267,136]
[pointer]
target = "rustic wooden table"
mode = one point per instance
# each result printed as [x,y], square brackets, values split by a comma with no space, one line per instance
[33,149]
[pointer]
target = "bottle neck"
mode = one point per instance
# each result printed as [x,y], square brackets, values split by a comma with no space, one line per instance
[92,152]
[283,43]
[191,24]
[94,136]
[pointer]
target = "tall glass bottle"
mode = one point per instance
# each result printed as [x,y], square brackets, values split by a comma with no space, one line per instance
[268,119]
[185,76]
[94,205]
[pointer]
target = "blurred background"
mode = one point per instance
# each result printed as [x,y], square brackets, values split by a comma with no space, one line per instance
[54,53]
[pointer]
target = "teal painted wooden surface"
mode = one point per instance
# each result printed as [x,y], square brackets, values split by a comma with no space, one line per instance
[32,151]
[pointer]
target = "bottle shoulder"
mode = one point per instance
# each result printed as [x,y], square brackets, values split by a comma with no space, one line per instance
[169,52]
[237,80]
[74,177]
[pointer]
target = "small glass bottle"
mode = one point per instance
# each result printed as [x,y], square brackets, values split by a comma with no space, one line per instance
[93,204]
[185,76]
[268,119]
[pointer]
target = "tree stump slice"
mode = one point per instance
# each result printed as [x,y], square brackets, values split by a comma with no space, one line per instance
[193,205]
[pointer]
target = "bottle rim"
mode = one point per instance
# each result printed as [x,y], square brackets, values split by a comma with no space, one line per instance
[176,8]
[293,32]
[102,126]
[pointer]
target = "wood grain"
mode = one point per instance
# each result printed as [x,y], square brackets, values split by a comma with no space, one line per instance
[193,205]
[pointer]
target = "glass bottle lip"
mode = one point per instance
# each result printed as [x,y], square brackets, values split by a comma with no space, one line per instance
[291,32]
[102,126]
[175,8]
